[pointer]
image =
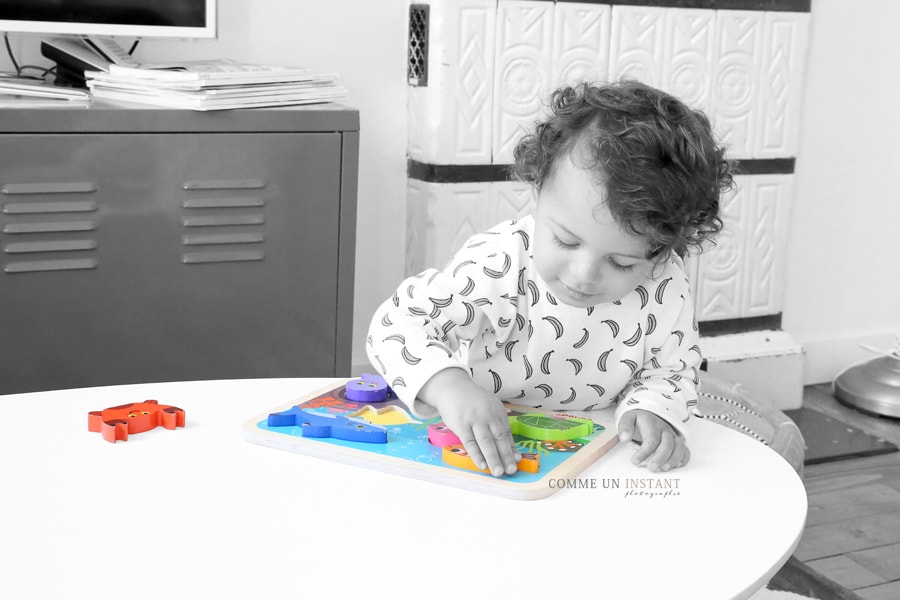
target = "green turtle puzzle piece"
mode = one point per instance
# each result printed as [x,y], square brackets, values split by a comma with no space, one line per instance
[554,429]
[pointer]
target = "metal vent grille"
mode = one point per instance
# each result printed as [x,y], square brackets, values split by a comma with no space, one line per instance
[224,221]
[417,57]
[49,226]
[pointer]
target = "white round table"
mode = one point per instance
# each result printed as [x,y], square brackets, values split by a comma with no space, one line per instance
[200,513]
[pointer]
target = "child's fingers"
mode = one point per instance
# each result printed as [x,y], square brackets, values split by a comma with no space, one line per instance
[472,448]
[626,426]
[680,455]
[487,449]
[650,438]
[663,451]
[507,447]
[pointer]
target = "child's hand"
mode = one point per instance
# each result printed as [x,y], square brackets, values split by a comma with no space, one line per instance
[476,417]
[662,447]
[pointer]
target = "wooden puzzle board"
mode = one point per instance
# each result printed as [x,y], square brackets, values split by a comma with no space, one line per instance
[409,452]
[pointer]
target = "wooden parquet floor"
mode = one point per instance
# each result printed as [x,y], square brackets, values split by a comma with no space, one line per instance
[852,533]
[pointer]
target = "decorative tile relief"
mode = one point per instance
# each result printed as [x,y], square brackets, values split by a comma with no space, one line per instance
[688,56]
[522,70]
[735,79]
[781,78]
[510,200]
[766,230]
[719,286]
[416,225]
[743,275]
[636,43]
[580,42]
[493,63]
[441,216]
[450,119]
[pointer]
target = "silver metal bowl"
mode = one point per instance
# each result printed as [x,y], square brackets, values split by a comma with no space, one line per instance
[872,387]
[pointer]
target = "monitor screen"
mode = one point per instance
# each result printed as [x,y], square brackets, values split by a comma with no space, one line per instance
[135,18]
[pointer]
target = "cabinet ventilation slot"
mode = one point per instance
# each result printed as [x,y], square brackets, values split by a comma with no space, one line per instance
[75,187]
[194,258]
[225,184]
[50,246]
[223,202]
[49,227]
[223,221]
[222,238]
[51,265]
[34,208]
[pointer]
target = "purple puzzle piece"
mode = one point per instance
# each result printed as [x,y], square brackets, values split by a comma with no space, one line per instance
[367,389]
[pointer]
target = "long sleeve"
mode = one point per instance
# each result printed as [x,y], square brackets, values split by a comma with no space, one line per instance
[430,320]
[666,385]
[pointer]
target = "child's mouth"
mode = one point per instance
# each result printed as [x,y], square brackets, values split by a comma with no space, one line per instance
[579,295]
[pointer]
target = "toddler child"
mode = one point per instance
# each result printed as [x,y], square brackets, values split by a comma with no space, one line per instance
[581,305]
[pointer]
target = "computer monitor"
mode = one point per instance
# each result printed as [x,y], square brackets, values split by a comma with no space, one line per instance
[88,28]
[133,18]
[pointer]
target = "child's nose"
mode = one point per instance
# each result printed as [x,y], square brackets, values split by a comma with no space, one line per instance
[587,269]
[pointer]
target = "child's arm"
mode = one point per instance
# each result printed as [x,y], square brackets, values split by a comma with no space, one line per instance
[656,404]
[415,338]
[476,417]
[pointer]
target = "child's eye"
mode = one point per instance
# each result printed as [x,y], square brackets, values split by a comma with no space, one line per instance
[619,266]
[564,245]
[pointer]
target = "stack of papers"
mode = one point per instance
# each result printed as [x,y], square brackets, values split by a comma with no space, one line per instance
[214,85]
[22,92]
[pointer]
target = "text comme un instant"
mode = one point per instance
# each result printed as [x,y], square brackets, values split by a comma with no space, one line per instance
[629,483]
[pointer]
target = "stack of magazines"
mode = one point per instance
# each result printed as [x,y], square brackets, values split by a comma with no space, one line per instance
[214,85]
[23,92]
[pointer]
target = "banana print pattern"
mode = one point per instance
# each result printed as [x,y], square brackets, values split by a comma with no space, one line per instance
[470,285]
[613,326]
[583,340]
[490,312]
[575,363]
[495,274]
[557,326]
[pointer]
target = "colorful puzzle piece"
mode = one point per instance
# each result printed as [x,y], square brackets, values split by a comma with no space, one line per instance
[368,388]
[457,456]
[319,425]
[386,415]
[562,445]
[556,433]
[117,422]
[537,426]
[440,435]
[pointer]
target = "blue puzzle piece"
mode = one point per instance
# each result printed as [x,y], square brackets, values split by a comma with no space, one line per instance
[367,389]
[319,425]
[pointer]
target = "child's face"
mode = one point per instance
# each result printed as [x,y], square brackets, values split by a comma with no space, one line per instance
[579,249]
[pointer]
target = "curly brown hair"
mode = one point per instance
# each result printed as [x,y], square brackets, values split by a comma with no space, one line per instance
[658,160]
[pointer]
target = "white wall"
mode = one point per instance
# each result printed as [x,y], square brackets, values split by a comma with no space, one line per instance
[365,43]
[843,272]
[843,267]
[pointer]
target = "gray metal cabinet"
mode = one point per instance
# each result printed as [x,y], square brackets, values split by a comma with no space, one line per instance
[155,245]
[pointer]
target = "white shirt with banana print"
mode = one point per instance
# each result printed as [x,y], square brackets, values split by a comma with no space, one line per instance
[489,312]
